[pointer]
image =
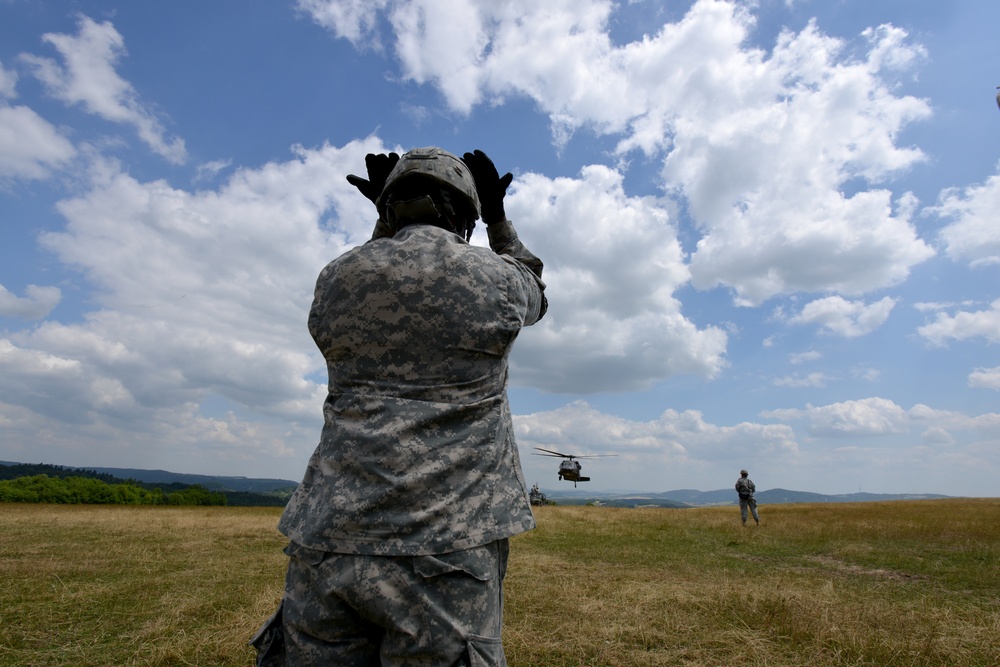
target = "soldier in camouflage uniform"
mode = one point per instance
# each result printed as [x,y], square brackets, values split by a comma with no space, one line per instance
[746,488]
[399,530]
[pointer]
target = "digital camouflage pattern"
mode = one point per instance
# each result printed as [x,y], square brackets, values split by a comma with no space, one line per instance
[417,454]
[746,488]
[412,611]
[438,165]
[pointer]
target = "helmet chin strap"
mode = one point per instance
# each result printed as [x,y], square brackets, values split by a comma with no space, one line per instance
[423,210]
[413,210]
[462,225]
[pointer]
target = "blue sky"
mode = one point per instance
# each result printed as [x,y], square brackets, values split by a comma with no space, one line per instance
[769,228]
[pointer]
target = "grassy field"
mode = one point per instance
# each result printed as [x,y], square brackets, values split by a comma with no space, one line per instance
[896,583]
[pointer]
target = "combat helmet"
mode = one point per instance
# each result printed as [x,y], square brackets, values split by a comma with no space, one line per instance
[429,182]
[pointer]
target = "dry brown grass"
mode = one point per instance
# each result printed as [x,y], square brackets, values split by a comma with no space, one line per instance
[905,584]
[861,584]
[89,585]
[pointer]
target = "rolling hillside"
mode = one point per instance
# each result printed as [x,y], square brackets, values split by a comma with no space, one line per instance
[563,496]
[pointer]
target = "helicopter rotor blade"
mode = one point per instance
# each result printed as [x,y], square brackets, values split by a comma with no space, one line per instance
[549,452]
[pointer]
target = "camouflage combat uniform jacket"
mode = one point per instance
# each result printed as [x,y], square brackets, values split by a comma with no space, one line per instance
[417,454]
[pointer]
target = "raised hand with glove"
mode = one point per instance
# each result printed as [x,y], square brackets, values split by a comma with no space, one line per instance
[490,186]
[379,167]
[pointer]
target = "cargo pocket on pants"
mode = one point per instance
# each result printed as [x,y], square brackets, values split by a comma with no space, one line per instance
[270,641]
[485,651]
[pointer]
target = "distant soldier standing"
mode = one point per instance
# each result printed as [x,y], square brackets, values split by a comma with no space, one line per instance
[746,488]
[399,530]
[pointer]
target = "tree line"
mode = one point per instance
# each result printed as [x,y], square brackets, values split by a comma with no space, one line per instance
[84,490]
[44,483]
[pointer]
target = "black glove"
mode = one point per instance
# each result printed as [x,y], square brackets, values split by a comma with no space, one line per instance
[379,167]
[490,186]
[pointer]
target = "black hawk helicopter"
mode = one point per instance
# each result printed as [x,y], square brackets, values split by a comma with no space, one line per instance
[537,497]
[569,468]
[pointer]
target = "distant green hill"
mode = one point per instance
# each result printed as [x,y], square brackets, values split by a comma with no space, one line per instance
[214,482]
[248,491]
[239,491]
[693,498]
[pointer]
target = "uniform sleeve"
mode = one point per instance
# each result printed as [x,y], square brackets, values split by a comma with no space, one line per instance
[505,242]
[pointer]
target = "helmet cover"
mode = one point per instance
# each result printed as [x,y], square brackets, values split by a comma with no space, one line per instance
[437,165]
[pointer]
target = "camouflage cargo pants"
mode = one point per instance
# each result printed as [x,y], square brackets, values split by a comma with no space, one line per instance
[444,610]
[750,503]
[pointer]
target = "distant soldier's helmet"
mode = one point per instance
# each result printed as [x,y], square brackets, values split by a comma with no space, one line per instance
[744,473]
[431,168]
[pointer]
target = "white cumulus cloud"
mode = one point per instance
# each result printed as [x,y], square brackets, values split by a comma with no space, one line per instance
[986,378]
[88,78]
[8,82]
[816,379]
[612,264]
[674,433]
[868,416]
[354,20]
[759,144]
[964,325]
[30,147]
[200,305]
[38,302]
[974,235]
[845,318]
